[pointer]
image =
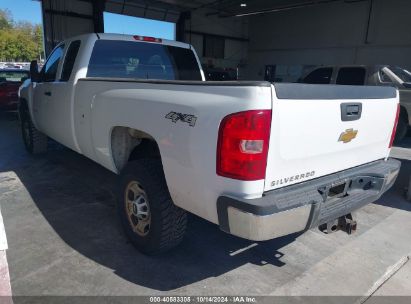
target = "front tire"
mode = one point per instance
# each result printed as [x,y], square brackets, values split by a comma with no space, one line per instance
[149,217]
[34,141]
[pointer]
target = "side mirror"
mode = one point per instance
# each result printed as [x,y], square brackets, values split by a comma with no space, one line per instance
[34,71]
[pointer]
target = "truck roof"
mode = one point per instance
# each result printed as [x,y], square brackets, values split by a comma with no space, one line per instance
[109,36]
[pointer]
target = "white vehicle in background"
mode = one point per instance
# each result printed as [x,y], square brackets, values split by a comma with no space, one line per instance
[372,76]
[259,160]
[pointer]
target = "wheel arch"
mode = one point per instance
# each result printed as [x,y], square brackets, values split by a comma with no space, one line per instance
[23,105]
[129,144]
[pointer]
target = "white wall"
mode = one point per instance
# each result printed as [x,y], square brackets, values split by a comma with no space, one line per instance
[334,33]
[235,51]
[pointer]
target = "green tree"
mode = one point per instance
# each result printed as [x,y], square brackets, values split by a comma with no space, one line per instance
[38,39]
[6,21]
[20,41]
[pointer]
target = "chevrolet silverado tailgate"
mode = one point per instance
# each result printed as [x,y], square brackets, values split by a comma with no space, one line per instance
[322,129]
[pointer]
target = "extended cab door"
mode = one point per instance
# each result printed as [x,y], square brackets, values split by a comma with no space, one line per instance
[43,90]
[55,96]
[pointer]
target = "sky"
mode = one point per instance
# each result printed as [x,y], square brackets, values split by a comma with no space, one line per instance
[114,23]
[29,10]
[23,10]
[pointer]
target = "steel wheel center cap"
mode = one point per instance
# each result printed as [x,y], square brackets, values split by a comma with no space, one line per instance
[135,209]
[140,208]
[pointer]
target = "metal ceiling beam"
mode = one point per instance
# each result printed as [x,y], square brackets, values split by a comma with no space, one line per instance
[287,7]
[184,8]
[68,14]
[219,36]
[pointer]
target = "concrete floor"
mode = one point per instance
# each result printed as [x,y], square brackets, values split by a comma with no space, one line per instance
[64,239]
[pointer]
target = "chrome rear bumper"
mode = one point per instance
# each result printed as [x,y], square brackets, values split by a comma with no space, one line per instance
[303,206]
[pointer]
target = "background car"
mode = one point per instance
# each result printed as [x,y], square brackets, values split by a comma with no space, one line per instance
[218,75]
[10,81]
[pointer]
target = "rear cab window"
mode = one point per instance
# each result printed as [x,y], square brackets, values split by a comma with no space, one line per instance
[351,76]
[140,60]
[69,60]
[319,76]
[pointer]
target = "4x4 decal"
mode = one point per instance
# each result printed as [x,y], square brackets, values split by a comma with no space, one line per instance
[188,118]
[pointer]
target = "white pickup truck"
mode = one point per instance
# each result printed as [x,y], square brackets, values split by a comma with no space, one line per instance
[259,160]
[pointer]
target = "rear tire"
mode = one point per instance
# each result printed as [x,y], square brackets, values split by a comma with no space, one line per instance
[402,129]
[34,141]
[149,217]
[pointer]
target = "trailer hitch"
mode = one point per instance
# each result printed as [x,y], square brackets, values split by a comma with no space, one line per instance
[345,223]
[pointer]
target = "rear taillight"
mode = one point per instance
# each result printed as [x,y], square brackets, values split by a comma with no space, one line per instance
[394,130]
[147,39]
[243,145]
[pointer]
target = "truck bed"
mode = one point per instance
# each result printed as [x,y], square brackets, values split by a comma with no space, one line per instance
[304,141]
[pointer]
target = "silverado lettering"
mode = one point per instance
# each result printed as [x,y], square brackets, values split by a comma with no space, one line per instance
[298,177]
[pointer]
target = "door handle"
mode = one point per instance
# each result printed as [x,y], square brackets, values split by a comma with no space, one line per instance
[351,111]
[47,93]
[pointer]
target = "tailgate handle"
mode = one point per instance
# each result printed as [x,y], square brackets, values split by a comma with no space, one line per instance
[351,111]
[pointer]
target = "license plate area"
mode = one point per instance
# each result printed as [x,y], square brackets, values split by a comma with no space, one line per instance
[335,190]
[338,190]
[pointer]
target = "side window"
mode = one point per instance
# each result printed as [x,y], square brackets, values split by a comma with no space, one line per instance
[351,76]
[384,77]
[69,60]
[50,69]
[319,76]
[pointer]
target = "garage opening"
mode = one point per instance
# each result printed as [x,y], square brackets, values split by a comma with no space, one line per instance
[122,24]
